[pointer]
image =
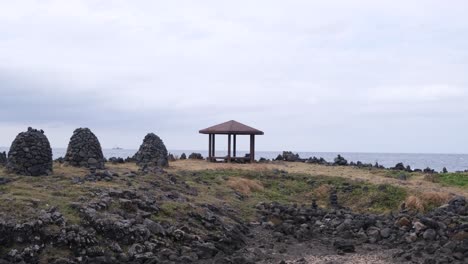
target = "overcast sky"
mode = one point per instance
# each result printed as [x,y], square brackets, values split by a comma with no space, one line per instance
[362,76]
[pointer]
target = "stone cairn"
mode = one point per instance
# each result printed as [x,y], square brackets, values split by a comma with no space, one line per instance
[3,159]
[30,154]
[84,150]
[152,153]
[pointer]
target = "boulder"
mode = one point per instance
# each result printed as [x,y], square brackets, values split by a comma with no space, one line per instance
[84,150]
[30,154]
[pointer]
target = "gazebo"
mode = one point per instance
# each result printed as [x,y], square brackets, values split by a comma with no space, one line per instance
[230,128]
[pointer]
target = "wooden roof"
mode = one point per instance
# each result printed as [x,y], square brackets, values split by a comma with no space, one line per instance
[231,127]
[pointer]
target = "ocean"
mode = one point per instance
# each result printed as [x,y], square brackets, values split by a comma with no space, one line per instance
[453,162]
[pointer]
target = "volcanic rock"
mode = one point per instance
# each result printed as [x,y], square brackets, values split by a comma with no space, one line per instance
[3,158]
[84,150]
[340,161]
[196,156]
[30,154]
[152,152]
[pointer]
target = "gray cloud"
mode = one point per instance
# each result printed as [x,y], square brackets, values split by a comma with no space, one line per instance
[334,76]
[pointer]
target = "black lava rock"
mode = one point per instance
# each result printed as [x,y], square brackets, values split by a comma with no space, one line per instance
[196,156]
[340,161]
[3,158]
[152,152]
[30,154]
[84,150]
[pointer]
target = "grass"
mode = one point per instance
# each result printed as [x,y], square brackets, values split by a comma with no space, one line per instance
[453,179]
[239,187]
[268,186]
[235,189]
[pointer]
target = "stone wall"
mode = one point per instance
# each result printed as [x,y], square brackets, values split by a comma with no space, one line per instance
[84,150]
[30,154]
[152,152]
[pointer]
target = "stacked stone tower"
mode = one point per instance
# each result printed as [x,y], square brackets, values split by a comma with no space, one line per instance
[152,152]
[30,154]
[84,150]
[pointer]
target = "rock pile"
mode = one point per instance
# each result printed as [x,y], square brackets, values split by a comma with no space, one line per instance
[30,154]
[103,175]
[3,158]
[340,161]
[115,160]
[152,152]
[84,150]
[289,156]
[440,236]
[171,157]
[196,156]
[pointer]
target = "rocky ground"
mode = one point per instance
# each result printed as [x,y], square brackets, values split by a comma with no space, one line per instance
[178,215]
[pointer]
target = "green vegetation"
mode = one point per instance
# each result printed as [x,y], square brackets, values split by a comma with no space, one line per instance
[237,189]
[295,188]
[454,179]
[396,174]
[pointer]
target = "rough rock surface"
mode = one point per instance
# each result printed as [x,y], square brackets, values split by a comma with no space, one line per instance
[340,161]
[3,159]
[30,154]
[84,150]
[152,152]
[196,156]
[138,223]
[118,226]
[441,236]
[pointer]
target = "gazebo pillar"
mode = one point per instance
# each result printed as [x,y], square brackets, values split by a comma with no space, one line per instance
[234,147]
[209,147]
[213,147]
[229,148]
[252,148]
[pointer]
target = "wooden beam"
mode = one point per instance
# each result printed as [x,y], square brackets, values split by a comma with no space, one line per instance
[234,150]
[229,148]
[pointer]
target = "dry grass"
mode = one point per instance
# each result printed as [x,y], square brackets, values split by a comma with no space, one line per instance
[424,201]
[417,182]
[436,198]
[414,203]
[323,191]
[244,186]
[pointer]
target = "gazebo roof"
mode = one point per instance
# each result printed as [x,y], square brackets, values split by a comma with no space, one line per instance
[231,127]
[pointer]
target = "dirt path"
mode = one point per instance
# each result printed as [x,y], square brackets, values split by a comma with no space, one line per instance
[416,183]
[291,251]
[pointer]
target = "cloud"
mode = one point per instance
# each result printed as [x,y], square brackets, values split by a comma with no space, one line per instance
[306,72]
[415,94]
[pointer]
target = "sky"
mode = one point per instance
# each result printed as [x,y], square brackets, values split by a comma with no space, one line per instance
[345,76]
